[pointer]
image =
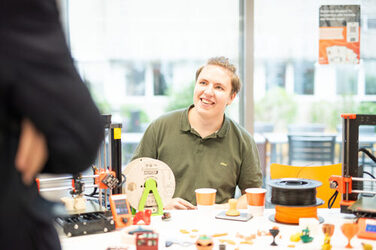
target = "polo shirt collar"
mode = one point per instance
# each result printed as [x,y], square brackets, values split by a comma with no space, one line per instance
[186,126]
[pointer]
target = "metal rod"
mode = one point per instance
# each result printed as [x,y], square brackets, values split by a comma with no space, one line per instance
[64,188]
[55,179]
[109,147]
[109,134]
[66,178]
[363,192]
[103,167]
[347,156]
[100,198]
[90,176]
[91,186]
[363,179]
[99,162]
[348,148]
[54,189]
[347,191]
[105,151]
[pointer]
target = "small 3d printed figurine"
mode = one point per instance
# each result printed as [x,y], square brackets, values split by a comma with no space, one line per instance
[204,243]
[147,241]
[305,236]
[274,232]
[328,230]
[326,245]
[349,230]
[295,237]
[166,216]
[232,210]
[222,247]
[142,217]
[366,246]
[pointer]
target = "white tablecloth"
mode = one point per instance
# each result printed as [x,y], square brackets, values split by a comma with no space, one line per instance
[193,220]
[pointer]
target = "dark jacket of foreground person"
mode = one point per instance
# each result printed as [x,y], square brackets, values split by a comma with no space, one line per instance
[38,81]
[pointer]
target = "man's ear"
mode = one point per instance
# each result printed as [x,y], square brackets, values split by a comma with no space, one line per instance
[232,97]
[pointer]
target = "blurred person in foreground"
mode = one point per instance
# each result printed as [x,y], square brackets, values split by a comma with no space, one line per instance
[48,121]
[203,147]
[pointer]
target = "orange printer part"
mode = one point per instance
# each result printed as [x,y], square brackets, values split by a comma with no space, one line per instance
[348,116]
[340,182]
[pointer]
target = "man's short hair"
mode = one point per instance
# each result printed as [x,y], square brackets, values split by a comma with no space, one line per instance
[224,62]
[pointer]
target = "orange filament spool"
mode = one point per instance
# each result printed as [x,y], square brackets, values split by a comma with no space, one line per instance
[294,199]
[291,215]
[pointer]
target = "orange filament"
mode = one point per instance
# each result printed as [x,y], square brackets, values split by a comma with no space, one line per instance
[291,215]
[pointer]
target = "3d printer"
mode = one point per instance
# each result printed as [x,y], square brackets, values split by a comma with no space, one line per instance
[357,198]
[91,215]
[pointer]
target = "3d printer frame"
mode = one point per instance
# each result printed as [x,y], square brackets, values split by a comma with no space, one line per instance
[108,179]
[350,184]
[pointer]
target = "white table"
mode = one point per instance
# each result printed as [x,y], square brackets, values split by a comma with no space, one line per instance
[191,220]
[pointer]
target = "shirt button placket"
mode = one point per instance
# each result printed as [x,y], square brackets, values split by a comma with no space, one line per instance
[200,146]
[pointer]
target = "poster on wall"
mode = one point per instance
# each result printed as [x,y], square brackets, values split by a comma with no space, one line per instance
[339,34]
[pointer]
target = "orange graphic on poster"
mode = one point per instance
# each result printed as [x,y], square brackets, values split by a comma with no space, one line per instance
[339,36]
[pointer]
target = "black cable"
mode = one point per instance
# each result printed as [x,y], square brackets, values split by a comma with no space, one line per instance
[96,196]
[332,199]
[124,179]
[95,189]
[366,172]
[92,193]
[364,150]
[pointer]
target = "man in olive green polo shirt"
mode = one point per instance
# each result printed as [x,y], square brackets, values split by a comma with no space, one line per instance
[203,147]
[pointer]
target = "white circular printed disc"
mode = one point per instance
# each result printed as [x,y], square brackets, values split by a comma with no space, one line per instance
[141,169]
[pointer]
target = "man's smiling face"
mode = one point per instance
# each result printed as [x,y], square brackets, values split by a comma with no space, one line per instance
[212,91]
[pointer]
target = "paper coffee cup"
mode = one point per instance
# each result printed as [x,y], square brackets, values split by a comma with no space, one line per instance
[205,198]
[256,200]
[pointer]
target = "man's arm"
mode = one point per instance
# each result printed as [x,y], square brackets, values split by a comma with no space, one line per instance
[242,201]
[250,172]
[32,152]
[179,203]
[53,97]
[67,118]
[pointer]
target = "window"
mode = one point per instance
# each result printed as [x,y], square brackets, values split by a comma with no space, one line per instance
[346,80]
[290,86]
[286,56]
[134,78]
[139,58]
[370,77]
[304,73]
[275,74]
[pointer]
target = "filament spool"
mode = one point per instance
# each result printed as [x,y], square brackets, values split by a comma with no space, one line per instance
[294,199]
[138,172]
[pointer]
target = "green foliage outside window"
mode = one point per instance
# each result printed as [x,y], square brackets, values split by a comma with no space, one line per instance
[135,118]
[277,107]
[367,108]
[103,105]
[329,113]
[181,98]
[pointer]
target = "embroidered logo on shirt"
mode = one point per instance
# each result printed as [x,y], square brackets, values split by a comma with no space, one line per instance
[223,164]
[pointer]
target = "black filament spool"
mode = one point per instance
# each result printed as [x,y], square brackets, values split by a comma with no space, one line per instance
[294,192]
